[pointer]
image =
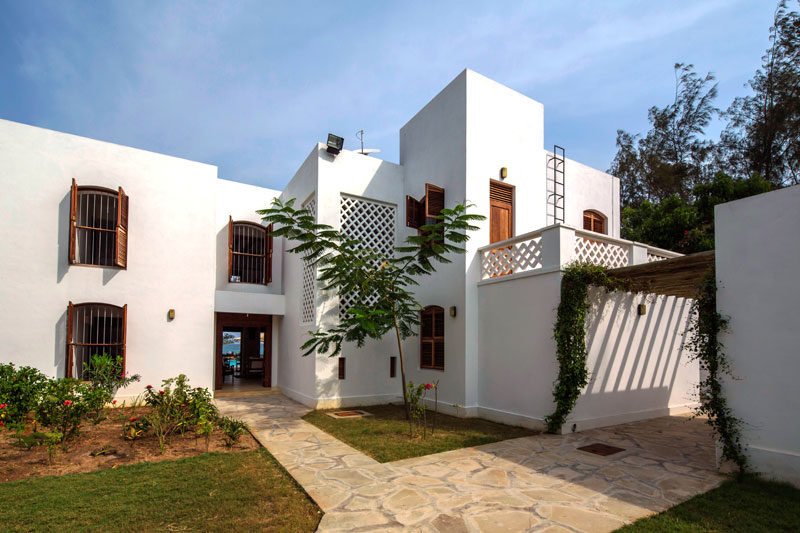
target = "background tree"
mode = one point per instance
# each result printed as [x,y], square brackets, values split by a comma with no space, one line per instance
[673,156]
[365,275]
[763,132]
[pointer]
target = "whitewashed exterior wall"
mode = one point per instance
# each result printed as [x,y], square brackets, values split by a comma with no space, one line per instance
[757,264]
[170,253]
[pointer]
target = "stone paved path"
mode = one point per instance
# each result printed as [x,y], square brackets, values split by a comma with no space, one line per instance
[537,483]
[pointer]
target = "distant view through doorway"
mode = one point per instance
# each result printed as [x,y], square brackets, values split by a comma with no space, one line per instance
[243,352]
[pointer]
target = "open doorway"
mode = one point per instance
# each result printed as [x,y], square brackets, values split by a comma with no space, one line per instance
[243,352]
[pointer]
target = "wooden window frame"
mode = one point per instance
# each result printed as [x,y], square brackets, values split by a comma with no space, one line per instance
[437,338]
[121,229]
[423,211]
[71,343]
[595,218]
[342,368]
[267,255]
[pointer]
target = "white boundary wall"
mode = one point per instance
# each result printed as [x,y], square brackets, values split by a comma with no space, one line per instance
[758,263]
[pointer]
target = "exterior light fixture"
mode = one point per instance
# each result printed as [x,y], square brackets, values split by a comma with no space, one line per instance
[641,309]
[453,311]
[503,173]
[335,144]
[171,314]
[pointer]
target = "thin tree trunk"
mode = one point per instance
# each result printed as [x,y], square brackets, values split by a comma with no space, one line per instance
[403,372]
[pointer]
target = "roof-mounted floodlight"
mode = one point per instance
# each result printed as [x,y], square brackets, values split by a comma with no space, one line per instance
[335,144]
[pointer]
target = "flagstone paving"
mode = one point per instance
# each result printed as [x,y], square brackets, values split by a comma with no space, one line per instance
[536,483]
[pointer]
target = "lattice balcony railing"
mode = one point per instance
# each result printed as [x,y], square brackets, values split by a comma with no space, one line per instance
[600,251]
[522,256]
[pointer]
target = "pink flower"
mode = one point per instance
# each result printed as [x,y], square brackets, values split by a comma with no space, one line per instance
[67,402]
[161,392]
[114,402]
[3,405]
[428,386]
[149,387]
[132,419]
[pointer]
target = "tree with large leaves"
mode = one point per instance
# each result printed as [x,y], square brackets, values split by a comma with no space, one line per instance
[380,285]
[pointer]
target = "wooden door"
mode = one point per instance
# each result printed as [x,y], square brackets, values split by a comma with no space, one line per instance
[501,214]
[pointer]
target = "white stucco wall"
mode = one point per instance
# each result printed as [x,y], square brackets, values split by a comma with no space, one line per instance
[588,188]
[757,264]
[170,253]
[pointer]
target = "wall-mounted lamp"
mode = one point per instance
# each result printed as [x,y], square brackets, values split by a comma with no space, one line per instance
[171,314]
[453,311]
[503,173]
[641,309]
[335,144]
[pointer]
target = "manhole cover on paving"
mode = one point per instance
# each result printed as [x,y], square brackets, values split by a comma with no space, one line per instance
[348,414]
[601,449]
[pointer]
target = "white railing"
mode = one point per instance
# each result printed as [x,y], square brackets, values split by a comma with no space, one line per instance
[550,248]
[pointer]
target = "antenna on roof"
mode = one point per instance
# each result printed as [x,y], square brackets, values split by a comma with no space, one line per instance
[365,151]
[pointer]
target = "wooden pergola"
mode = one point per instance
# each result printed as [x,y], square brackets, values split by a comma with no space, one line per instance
[679,276]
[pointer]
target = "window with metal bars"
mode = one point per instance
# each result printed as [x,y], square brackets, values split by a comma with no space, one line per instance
[432,338]
[94,329]
[249,252]
[594,221]
[98,226]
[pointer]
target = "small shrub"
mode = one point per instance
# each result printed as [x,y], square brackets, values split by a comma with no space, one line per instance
[416,406]
[106,377]
[178,407]
[135,428]
[205,425]
[232,430]
[20,391]
[63,407]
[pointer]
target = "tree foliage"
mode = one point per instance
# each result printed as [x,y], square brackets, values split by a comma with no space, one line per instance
[363,275]
[763,131]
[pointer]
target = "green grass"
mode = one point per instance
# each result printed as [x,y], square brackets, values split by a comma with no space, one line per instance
[244,491]
[751,505]
[385,436]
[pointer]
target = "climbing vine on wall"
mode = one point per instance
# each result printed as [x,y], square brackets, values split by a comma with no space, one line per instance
[570,335]
[704,329]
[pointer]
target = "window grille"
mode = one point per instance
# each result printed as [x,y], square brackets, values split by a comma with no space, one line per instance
[250,252]
[98,226]
[371,222]
[94,329]
[309,275]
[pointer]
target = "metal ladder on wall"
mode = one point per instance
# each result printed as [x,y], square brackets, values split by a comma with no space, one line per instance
[555,163]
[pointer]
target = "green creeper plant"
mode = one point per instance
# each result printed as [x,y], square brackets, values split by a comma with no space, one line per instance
[365,275]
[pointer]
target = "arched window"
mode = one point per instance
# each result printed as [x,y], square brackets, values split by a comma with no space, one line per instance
[431,353]
[98,226]
[249,252]
[94,329]
[594,221]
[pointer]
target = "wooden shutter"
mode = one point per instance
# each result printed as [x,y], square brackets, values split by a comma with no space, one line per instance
[594,221]
[414,213]
[121,245]
[341,367]
[434,201]
[73,220]
[124,338]
[438,338]
[70,348]
[392,366]
[268,258]
[432,338]
[230,247]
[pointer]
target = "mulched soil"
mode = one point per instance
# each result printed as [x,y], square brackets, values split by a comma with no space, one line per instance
[18,463]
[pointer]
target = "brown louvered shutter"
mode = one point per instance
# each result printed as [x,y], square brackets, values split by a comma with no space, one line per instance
[121,246]
[341,368]
[73,218]
[70,347]
[230,247]
[414,213]
[501,211]
[434,201]
[432,337]
[438,338]
[268,259]
[124,337]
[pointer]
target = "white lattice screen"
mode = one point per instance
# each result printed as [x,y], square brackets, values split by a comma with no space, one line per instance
[373,224]
[653,257]
[600,253]
[309,275]
[518,257]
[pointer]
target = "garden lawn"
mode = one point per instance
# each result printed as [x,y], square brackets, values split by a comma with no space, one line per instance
[385,435]
[242,491]
[752,505]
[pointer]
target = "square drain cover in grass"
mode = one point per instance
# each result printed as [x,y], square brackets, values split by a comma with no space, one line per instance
[349,414]
[601,449]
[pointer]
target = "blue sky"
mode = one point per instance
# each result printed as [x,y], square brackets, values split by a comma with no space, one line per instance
[251,86]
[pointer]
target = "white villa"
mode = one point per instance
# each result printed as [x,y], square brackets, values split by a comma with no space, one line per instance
[108,248]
